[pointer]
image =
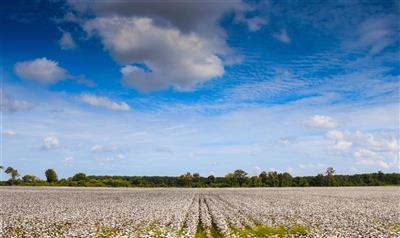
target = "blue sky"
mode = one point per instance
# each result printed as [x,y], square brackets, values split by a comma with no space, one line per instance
[150,88]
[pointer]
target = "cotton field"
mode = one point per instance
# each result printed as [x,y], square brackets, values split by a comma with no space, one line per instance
[264,212]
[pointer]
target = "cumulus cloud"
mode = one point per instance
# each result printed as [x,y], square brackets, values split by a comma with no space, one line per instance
[50,142]
[188,16]
[321,121]
[8,104]
[339,137]
[343,144]
[370,158]
[67,42]
[41,70]
[335,135]
[182,61]
[371,149]
[47,71]
[282,36]
[101,148]
[180,44]
[104,102]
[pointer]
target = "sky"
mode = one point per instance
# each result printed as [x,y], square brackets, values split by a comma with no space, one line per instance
[165,87]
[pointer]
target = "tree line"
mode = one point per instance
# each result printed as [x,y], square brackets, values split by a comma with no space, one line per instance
[237,178]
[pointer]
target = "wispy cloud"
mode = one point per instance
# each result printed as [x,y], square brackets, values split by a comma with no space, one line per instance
[66,41]
[9,104]
[98,101]
[101,148]
[282,36]
[8,132]
[321,121]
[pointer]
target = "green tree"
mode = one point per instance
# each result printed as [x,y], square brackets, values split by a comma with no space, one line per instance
[51,176]
[29,178]
[211,179]
[303,182]
[230,180]
[186,179]
[264,178]
[79,177]
[256,181]
[330,177]
[285,180]
[273,179]
[196,177]
[240,177]
[318,180]
[12,172]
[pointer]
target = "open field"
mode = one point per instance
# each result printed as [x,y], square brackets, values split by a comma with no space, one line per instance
[280,212]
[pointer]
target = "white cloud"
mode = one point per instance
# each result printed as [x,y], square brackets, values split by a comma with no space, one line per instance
[113,158]
[181,44]
[258,170]
[8,133]
[370,158]
[370,149]
[339,137]
[283,82]
[375,34]
[67,42]
[41,70]
[101,148]
[234,140]
[282,36]
[68,160]
[188,16]
[343,144]
[120,157]
[312,166]
[104,102]
[291,171]
[321,121]
[50,142]
[335,135]
[256,23]
[253,23]
[8,104]
[173,59]
[286,140]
